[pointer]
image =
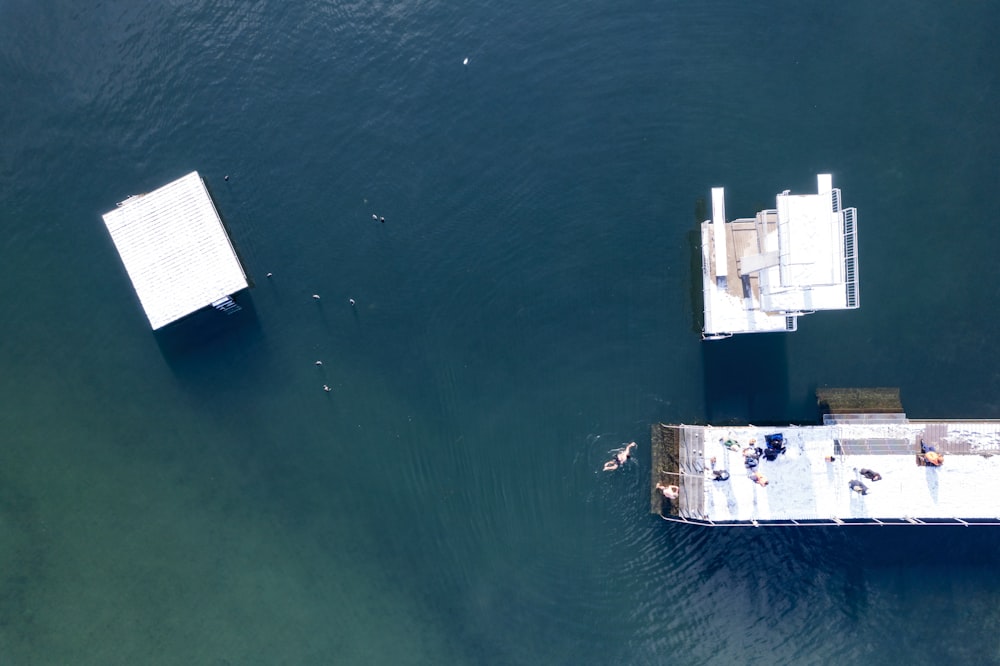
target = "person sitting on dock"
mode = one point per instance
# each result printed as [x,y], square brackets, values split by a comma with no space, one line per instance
[669,492]
[871,474]
[857,486]
[622,456]
[750,457]
[759,479]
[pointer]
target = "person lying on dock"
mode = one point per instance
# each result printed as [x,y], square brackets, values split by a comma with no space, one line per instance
[759,479]
[669,492]
[857,487]
[719,474]
[750,457]
[930,455]
[622,456]
[932,458]
[870,474]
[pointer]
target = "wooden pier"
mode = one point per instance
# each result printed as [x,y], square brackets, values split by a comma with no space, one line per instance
[810,481]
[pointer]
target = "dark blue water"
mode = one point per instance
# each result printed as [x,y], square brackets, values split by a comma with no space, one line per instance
[197,498]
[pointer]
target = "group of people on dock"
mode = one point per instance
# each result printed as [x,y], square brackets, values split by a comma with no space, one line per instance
[857,486]
[775,446]
[752,454]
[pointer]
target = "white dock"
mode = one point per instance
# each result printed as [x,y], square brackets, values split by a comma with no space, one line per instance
[804,488]
[760,274]
[176,251]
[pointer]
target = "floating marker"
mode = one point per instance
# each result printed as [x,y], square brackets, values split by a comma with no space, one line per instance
[465,62]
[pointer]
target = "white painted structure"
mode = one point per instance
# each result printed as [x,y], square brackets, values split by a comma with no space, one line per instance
[803,488]
[761,274]
[176,251]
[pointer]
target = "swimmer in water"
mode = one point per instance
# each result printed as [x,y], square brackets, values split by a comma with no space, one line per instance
[622,456]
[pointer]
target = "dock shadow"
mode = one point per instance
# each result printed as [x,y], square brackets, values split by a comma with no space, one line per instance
[746,379]
[209,338]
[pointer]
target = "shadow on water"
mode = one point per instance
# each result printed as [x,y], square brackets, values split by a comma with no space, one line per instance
[193,342]
[746,378]
[842,564]
[694,256]
[696,288]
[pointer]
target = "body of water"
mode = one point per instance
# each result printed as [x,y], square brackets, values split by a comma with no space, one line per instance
[528,305]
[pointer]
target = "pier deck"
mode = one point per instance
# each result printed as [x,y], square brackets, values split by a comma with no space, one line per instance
[175,250]
[806,489]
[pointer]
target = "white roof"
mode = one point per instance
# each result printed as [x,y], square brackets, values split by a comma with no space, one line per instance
[719,230]
[803,486]
[809,246]
[792,261]
[175,250]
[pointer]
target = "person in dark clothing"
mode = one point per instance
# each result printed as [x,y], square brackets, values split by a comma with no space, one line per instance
[858,487]
[871,475]
[718,474]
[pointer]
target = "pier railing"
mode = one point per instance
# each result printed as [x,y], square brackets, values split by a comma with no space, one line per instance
[835,522]
[851,257]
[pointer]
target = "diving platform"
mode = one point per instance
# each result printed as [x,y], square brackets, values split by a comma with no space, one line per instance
[809,483]
[176,251]
[761,274]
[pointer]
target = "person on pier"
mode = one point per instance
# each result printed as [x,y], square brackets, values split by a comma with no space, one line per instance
[930,455]
[669,492]
[719,474]
[871,474]
[858,487]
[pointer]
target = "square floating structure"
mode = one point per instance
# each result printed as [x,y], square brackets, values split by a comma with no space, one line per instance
[759,275]
[176,251]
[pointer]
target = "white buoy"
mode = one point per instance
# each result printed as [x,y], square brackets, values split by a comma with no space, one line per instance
[351,301]
[465,62]
[319,362]
[316,296]
[375,217]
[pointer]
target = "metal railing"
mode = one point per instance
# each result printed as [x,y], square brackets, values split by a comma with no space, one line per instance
[835,522]
[851,256]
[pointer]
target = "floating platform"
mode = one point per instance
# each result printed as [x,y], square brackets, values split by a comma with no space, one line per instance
[176,251]
[761,274]
[804,488]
